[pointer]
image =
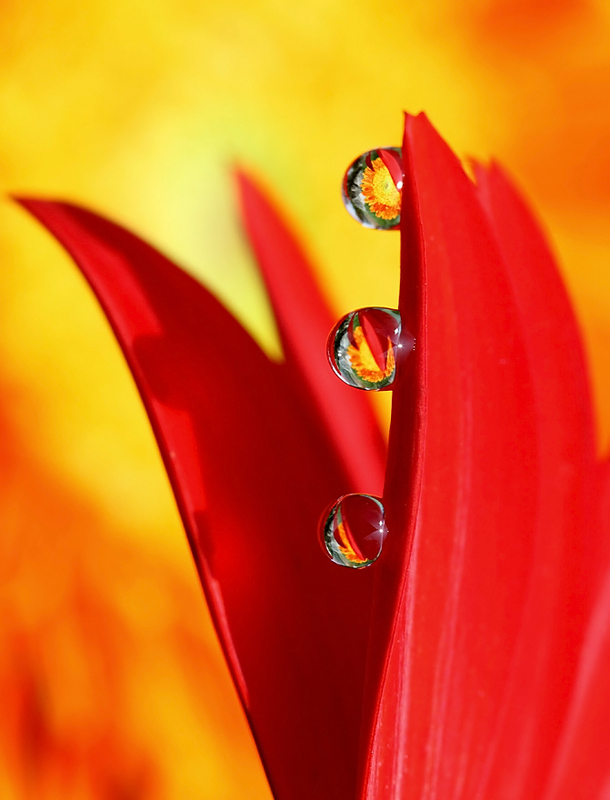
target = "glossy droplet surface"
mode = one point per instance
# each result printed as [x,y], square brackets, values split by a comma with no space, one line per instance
[372,188]
[363,347]
[353,531]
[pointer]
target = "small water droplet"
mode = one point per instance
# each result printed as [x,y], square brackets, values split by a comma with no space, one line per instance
[353,531]
[363,347]
[372,188]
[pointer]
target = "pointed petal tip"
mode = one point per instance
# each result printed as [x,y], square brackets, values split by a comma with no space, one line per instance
[494,170]
[247,180]
[248,187]
[40,207]
[418,115]
[476,165]
[23,201]
[242,176]
[32,202]
[413,120]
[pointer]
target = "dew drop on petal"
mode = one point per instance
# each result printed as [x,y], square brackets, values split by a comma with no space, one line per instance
[364,346]
[353,531]
[372,188]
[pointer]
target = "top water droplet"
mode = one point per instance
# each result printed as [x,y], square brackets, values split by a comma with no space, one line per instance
[372,188]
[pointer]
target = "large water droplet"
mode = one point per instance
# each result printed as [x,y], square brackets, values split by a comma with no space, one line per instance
[354,530]
[363,347]
[372,188]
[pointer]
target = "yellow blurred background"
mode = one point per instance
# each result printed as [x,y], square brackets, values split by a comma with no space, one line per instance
[111,682]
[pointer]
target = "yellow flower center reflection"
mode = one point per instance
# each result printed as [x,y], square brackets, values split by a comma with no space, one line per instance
[380,192]
[363,361]
[347,547]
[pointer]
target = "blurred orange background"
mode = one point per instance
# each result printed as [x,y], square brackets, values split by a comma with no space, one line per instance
[111,681]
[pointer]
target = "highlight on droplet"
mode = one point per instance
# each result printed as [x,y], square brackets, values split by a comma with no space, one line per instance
[372,188]
[364,346]
[353,530]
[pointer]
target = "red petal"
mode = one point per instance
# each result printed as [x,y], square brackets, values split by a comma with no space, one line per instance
[252,469]
[568,541]
[581,769]
[305,322]
[393,163]
[489,625]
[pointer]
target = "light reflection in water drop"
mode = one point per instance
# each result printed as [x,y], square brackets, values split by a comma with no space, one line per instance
[353,531]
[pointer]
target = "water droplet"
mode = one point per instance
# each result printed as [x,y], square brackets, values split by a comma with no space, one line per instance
[353,531]
[363,347]
[372,188]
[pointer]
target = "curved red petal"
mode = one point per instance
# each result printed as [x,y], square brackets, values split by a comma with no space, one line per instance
[568,542]
[393,163]
[252,469]
[491,616]
[305,321]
